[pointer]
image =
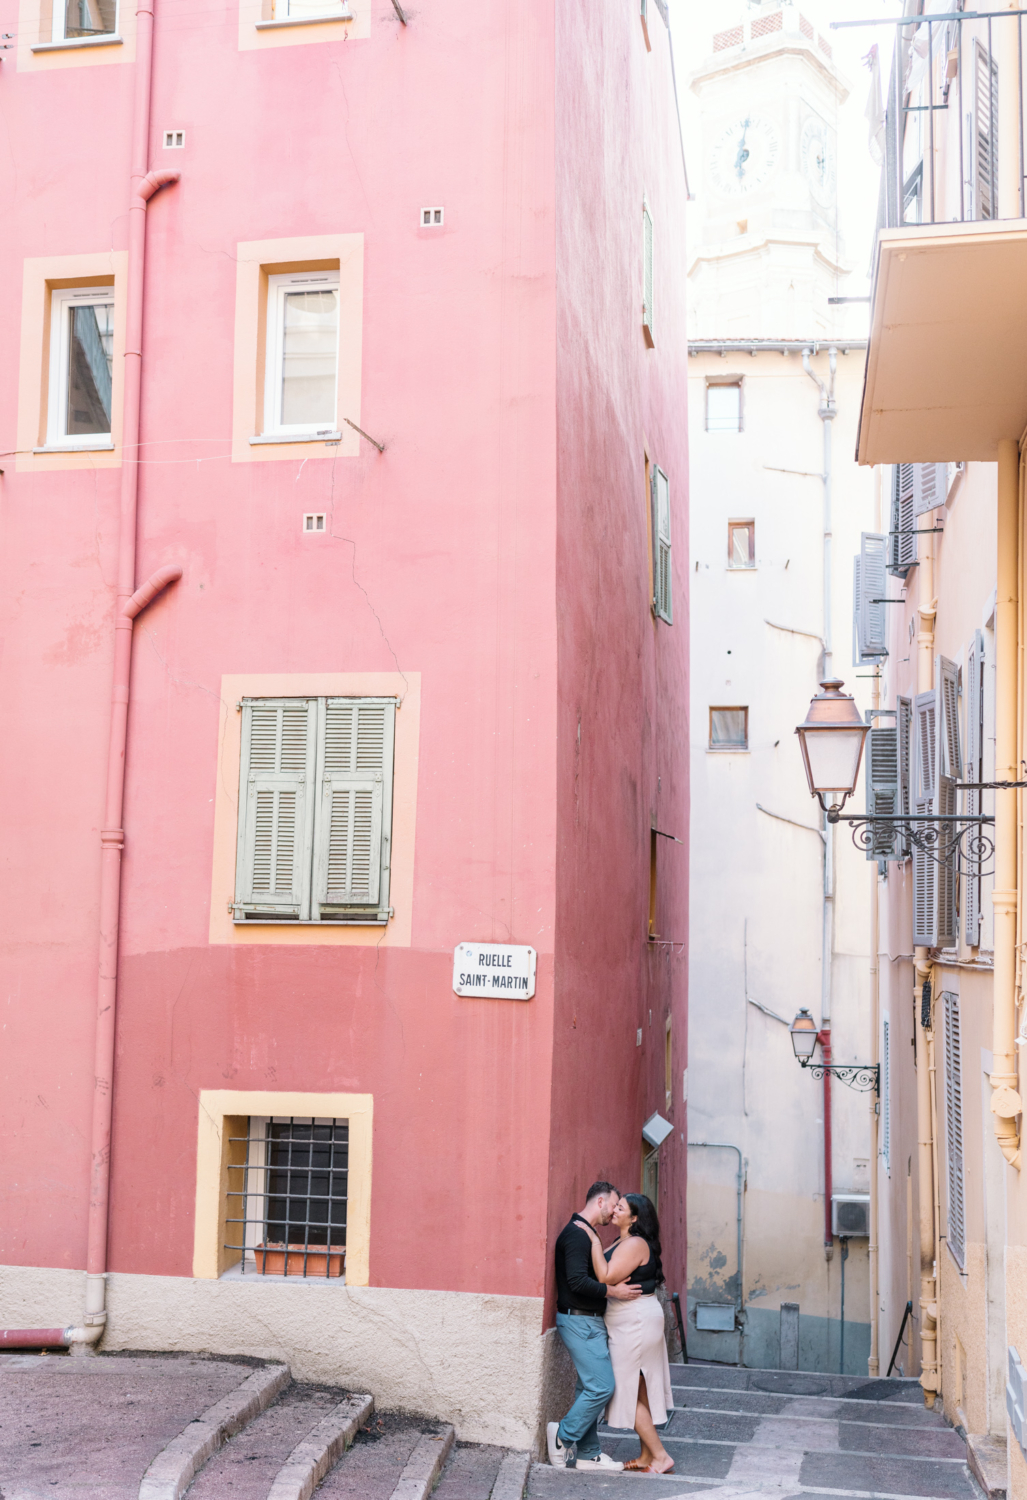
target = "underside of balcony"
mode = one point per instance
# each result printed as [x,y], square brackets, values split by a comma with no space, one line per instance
[946,374]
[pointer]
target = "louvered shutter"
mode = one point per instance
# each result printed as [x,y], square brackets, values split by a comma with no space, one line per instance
[647,273]
[353,827]
[873,623]
[984,135]
[886,1092]
[904,732]
[954,1128]
[857,649]
[883,790]
[950,769]
[275,809]
[662,596]
[925,869]
[930,487]
[902,552]
[974,747]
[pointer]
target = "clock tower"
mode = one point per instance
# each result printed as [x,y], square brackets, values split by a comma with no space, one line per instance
[767,253]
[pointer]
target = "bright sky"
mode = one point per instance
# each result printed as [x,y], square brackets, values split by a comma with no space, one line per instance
[694,23]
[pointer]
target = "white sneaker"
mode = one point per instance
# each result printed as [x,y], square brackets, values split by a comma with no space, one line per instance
[557,1451]
[604,1462]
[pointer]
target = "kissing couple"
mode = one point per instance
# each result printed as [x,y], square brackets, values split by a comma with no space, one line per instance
[611,1321]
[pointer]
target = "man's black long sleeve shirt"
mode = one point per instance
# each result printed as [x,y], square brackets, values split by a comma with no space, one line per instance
[575,1284]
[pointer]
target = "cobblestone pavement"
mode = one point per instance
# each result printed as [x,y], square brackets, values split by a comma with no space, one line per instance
[77,1428]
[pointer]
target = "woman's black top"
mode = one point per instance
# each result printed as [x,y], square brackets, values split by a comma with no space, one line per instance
[647,1276]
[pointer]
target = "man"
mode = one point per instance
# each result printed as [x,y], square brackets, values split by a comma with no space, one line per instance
[580,1307]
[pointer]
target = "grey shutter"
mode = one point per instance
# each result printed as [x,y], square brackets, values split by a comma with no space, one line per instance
[954,1128]
[886,1093]
[883,790]
[984,135]
[663,604]
[950,769]
[272,878]
[647,272]
[930,487]
[902,551]
[974,748]
[857,649]
[873,623]
[353,828]
[904,727]
[925,869]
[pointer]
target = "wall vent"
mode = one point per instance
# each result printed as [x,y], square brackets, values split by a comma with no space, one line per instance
[432,218]
[314,521]
[173,139]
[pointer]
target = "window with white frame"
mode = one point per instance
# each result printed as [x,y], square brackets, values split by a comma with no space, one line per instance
[313,10]
[315,810]
[301,379]
[81,366]
[724,405]
[78,20]
[729,729]
[741,544]
[286,1198]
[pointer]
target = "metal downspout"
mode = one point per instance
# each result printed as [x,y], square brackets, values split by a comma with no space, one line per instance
[874,1361]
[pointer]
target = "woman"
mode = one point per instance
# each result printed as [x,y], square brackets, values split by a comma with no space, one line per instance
[638,1349]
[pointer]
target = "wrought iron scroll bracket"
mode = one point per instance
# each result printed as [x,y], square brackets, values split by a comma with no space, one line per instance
[865,1078]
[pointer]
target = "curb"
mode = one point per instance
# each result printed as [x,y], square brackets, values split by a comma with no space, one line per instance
[175,1466]
[512,1477]
[425,1464]
[320,1450]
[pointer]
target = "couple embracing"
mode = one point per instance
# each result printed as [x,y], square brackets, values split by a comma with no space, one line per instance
[610,1319]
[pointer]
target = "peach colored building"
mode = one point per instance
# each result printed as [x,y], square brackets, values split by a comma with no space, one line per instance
[345,622]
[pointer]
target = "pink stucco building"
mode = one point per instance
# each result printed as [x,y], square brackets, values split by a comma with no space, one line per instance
[358,331]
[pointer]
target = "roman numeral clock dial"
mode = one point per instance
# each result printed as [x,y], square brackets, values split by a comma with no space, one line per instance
[744,156]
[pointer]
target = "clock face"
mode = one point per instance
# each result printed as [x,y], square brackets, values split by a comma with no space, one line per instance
[816,153]
[745,156]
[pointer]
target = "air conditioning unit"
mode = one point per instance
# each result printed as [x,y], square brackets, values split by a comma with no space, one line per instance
[850,1216]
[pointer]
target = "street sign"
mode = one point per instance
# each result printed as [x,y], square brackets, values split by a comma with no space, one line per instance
[498,971]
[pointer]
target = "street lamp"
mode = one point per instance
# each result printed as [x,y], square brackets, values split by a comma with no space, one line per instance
[864,1077]
[804,1036]
[831,740]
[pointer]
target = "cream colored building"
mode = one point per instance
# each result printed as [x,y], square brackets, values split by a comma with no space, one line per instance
[780,907]
[944,414]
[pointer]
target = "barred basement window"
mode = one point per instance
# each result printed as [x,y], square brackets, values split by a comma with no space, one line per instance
[287,1188]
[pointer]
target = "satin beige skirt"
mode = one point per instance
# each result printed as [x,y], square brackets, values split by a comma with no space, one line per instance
[638,1346]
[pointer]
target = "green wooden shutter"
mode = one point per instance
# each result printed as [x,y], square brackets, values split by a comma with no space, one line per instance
[662,589]
[353,828]
[647,274]
[272,879]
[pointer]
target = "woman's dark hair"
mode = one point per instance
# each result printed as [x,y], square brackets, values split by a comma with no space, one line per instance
[646,1224]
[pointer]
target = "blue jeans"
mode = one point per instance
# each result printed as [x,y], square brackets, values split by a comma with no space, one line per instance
[586,1343]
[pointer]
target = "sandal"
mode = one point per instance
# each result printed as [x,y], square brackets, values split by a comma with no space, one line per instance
[636,1466]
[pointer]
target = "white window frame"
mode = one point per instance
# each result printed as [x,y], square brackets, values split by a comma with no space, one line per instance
[277,287]
[60,21]
[62,300]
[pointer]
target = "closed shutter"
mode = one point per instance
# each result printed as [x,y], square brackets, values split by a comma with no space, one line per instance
[647,273]
[925,869]
[950,769]
[886,1092]
[930,487]
[904,729]
[857,649]
[984,135]
[902,552]
[974,748]
[954,1128]
[873,624]
[883,790]
[275,808]
[662,597]
[352,832]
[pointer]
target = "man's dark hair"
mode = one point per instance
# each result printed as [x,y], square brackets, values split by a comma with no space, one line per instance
[601,1190]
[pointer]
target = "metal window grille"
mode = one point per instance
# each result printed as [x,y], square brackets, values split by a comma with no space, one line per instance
[287,1189]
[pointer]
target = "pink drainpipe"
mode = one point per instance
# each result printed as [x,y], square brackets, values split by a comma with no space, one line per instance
[130,601]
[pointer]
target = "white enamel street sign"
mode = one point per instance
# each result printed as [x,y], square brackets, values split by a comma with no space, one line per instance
[499,971]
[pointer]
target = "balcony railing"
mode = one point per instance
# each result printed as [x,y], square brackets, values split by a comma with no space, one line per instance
[949,155]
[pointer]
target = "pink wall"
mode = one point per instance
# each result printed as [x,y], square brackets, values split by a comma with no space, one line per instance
[450,555]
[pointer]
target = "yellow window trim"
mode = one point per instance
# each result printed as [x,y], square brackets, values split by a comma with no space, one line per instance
[212,1155]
